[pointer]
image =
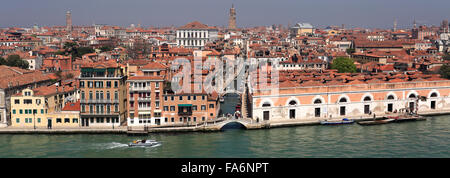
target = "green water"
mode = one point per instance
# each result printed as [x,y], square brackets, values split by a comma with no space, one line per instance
[429,138]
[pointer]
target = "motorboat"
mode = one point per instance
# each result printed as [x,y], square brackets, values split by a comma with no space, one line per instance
[376,122]
[337,122]
[143,143]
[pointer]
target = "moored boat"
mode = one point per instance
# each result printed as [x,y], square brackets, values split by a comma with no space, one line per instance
[408,118]
[337,122]
[376,122]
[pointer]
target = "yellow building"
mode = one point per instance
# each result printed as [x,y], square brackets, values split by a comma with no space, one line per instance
[301,29]
[31,109]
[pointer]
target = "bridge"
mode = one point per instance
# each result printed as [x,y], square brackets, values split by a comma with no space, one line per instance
[218,125]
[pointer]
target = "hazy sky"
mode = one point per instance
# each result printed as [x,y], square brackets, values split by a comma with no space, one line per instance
[360,13]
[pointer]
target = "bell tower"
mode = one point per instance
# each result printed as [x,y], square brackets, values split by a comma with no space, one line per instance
[68,21]
[232,20]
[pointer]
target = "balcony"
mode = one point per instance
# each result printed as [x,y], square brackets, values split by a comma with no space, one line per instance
[87,101]
[144,108]
[145,99]
[184,109]
[139,88]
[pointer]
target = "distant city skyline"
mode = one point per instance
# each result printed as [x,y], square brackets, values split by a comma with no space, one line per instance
[249,13]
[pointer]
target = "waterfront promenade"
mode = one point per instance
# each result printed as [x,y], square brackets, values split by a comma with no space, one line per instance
[211,126]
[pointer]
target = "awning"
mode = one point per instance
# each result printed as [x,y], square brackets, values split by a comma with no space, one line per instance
[185,105]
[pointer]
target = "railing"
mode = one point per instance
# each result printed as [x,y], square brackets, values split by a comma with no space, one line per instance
[139,88]
[144,108]
[99,101]
[144,99]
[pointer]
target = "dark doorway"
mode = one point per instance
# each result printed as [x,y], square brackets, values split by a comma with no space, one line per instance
[292,114]
[433,104]
[49,123]
[411,106]
[342,111]
[366,109]
[390,107]
[266,115]
[317,112]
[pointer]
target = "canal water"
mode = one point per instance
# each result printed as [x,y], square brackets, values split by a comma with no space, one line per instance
[419,139]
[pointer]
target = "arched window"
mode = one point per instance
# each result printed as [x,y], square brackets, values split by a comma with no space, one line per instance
[292,102]
[412,95]
[317,101]
[390,97]
[433,94]
[266,105]
[343,100]
[367,98]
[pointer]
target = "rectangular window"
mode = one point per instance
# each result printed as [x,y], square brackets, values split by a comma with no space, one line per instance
[108,84]
[39,120]
[27,101]
[116,84]
[75,120]
[81,84]
[211,105]
[195,97]
[203,107]
[172,108]
[66,120]
[17,120]
[58,120]
[166,108]
[16,101]
[194,107]
[181,98]
[14,111]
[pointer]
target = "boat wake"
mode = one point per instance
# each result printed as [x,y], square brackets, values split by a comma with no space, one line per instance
[114,145]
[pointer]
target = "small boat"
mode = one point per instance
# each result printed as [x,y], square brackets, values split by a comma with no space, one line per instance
[408,118]
[336,122]
[376,122]
[143,143]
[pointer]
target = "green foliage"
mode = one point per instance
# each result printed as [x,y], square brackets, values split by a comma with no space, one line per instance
[79,52]
[2,61]
[106,48]
[446,57]
[14,61]
[445,71]
[343,65]
[73,49]
[350,51]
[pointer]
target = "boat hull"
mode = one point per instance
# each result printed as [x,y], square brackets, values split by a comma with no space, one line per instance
[376,122]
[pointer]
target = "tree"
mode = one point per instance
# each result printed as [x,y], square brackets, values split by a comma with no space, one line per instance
[15,61]
[106,48]
[446,57]
[2,61]
[350,51]
[343,65]
[445,71]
